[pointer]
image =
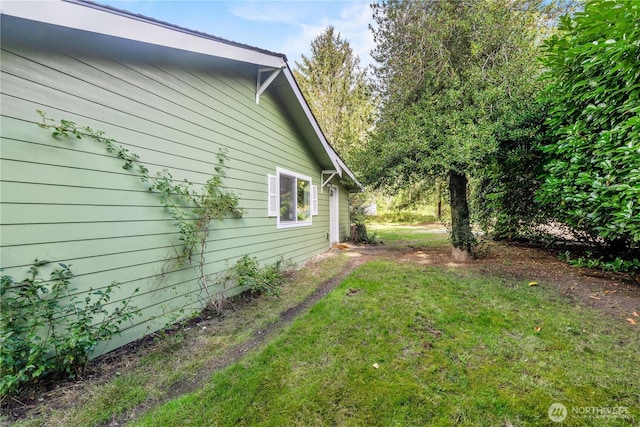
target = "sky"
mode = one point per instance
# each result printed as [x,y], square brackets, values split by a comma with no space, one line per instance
[285,26]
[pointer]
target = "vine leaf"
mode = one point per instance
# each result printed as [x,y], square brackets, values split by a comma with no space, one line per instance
[191,210]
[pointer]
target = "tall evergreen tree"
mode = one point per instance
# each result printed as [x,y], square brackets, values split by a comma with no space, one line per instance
[338,93]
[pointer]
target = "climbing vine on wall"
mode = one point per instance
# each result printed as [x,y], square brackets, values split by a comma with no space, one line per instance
[192,209]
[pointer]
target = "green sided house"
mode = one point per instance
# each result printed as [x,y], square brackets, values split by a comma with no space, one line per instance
[174,97]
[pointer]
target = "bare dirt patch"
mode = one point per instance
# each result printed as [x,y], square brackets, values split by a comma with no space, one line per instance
[617,296]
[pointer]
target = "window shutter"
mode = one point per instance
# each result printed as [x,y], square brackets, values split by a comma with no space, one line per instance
[314,200]
[272,190]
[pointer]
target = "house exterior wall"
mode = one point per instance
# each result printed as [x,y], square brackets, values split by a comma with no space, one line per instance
[68,200]
[345,222]
[345,219]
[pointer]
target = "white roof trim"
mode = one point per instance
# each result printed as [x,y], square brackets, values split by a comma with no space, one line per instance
[307,111]
[351,175]
[110,22]
[337,162]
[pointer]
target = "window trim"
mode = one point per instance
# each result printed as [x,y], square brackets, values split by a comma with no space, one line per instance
[313,191]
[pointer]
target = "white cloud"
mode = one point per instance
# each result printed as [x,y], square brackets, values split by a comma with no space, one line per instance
[306,20]
[354,27]
[287,12]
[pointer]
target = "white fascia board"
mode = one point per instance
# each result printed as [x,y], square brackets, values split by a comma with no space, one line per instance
[351,175]
[112,23]
[337,162]
[333,156]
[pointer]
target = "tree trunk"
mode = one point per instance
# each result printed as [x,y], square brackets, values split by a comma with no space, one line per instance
[439,210]
[359,234]
[461,236]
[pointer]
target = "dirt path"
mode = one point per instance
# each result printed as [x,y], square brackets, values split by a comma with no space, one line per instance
[615,295]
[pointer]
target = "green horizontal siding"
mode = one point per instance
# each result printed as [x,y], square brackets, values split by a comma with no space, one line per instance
[67,200]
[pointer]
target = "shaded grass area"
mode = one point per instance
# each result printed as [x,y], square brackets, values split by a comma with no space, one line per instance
[156,371]
[400,344]
[426,235]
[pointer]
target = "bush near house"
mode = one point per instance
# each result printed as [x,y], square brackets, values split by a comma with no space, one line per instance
[45,330]
[592,182]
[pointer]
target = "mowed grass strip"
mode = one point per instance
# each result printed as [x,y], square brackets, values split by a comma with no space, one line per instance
[400,344]
[178,357]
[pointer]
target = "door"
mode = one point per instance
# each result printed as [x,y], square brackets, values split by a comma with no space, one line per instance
[334,215]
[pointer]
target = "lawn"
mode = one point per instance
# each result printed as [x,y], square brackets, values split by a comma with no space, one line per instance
[406,344]
[401,234]
[407,339]
[120,386]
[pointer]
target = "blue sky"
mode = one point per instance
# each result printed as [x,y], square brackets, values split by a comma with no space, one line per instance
[286,26]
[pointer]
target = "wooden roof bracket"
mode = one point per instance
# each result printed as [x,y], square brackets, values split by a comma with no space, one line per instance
[325,182]
[262,86]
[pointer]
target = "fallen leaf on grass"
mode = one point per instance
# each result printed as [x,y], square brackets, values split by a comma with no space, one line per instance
[352,292]
[537,328]
[630,320]
[533,283]
[594,297]
[635,313]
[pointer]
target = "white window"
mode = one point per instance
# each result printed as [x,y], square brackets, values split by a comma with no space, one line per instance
[292,198]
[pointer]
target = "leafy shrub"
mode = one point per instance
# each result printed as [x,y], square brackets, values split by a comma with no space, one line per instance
[265,280]
[593,179]
[504,200]
[605,263]
[358,216]
[47,331]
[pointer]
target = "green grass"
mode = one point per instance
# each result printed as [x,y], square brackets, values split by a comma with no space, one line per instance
[428,235]
[179,356]
[450,350]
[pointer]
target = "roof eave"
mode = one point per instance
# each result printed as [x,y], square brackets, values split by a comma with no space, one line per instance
[95,18]
[357,185]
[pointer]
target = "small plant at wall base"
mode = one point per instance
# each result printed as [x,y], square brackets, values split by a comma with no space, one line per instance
[192,211]
[358,214]
[265,280]
[247,274]
[47,331]
[359,233]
